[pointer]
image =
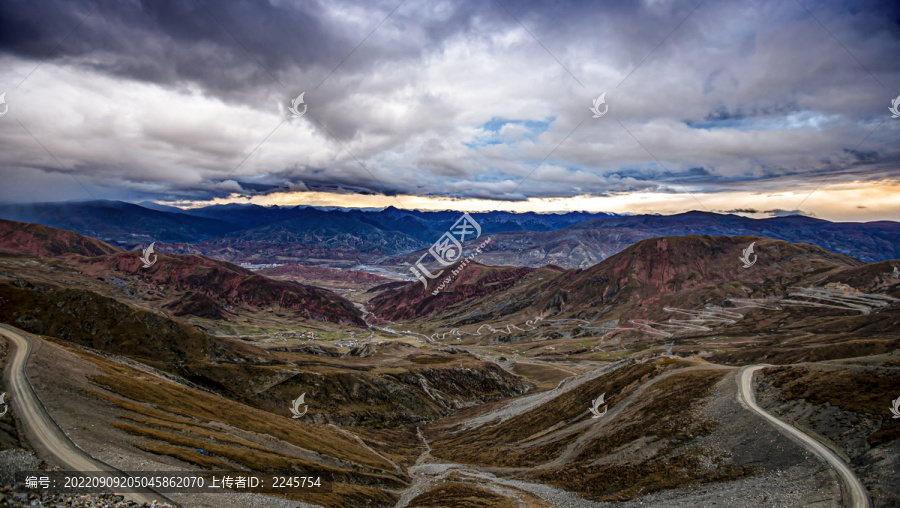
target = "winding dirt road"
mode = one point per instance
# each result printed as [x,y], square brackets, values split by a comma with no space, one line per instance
[43,433]
[854,489]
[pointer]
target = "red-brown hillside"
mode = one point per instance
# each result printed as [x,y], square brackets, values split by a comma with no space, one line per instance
[680,269]
[226,283]
[43,241]
[221,281]
[306,274]
[474,281]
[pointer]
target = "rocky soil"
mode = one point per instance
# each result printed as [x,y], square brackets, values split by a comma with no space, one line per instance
[835,408]
[12,496]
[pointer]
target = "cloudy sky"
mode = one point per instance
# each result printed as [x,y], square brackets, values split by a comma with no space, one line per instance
[712,105]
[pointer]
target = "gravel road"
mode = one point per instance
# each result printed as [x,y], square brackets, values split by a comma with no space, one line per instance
[854,489]
[40,428]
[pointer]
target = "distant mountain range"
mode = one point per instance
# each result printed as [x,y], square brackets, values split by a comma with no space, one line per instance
[397,238]
[586,243]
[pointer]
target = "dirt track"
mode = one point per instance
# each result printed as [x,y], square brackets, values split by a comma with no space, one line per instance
[43,432]
[854,489]
[40,428]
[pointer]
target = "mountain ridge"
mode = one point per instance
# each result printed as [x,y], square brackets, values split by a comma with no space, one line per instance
[396,239]
[218,281]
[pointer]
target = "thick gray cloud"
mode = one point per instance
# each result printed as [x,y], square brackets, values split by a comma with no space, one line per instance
[188,99]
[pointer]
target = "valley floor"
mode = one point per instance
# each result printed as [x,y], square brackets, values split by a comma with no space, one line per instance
[775,470]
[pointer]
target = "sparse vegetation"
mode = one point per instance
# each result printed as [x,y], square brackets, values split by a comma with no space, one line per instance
[665,417]
[506,444]
[459,495]
[866,392]
[367,402]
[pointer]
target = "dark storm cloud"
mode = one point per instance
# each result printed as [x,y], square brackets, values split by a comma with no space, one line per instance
[184,98]
[226,46]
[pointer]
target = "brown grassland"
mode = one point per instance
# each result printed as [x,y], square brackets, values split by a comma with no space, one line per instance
[666,419]
[460,495]
[506,444]
[177,421]
[859,391]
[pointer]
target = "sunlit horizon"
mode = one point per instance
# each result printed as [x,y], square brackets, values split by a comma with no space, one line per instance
[836,203]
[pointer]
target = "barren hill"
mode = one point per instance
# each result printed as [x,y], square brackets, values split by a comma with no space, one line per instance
[686,271]
[470,282]
[43,241]
[174,277]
